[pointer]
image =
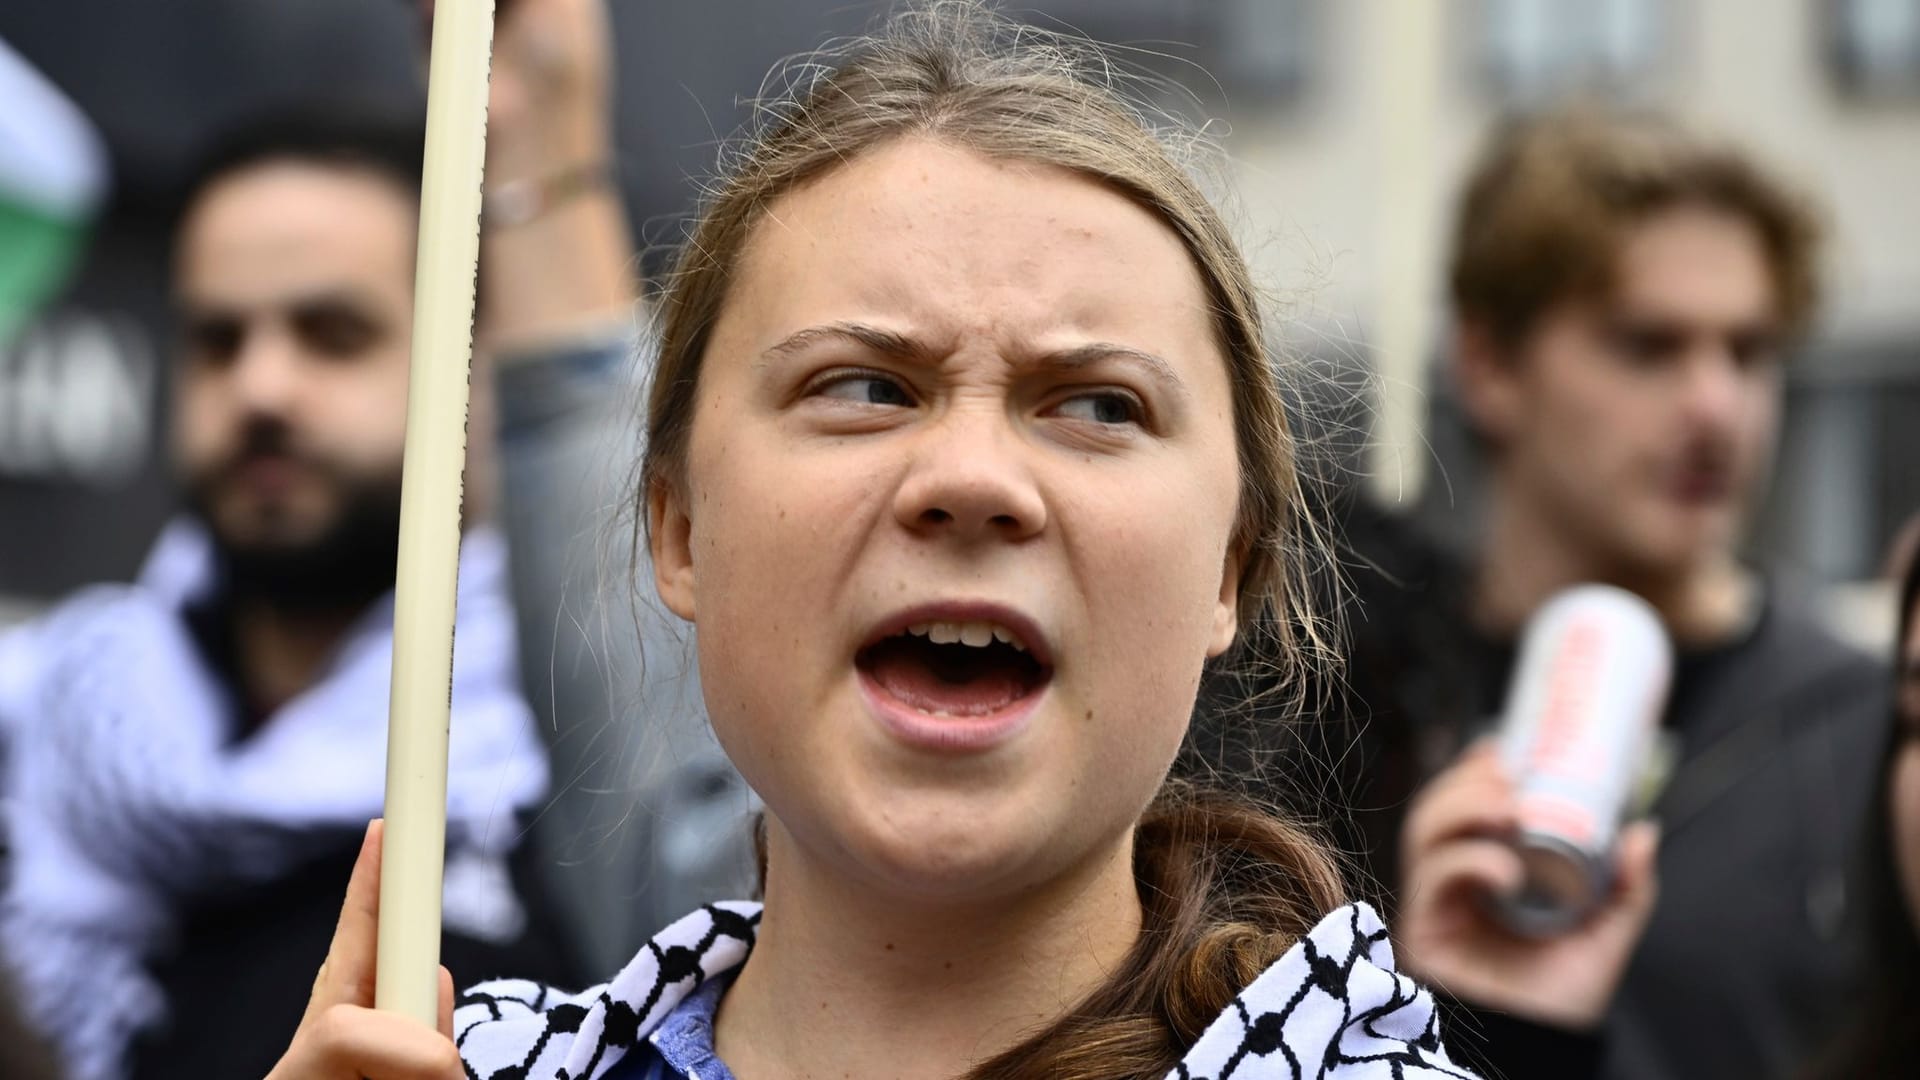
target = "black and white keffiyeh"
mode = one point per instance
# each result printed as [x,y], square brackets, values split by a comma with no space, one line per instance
[1331,1008]
[126,794]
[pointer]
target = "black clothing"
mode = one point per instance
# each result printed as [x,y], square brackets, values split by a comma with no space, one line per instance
[237,979]
[1754,947]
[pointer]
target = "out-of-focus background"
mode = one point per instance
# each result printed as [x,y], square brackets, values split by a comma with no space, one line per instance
[1348,125]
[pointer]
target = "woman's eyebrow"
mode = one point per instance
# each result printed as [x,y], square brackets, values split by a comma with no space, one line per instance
[885,342]
[1081,356]
[900,347]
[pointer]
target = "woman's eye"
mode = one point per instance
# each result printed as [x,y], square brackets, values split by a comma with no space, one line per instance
[1107,407]
[865,389]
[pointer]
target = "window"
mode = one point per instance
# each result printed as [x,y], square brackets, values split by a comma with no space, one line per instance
[1532,51]
[1874,47]
[1256,50]
[1266,47]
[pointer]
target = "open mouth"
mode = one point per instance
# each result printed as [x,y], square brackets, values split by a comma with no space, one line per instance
[973,668]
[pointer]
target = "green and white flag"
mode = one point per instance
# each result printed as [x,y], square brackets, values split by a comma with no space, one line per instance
[53,176]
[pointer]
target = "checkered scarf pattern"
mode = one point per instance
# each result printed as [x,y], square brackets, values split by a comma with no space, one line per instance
[1332,1008]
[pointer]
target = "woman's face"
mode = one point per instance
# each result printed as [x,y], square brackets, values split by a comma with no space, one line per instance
[956,519]
[1906,769]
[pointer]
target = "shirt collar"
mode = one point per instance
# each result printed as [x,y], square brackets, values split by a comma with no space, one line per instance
[684,1038]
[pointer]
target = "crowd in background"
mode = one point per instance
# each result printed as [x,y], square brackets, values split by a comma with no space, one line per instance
[190,757]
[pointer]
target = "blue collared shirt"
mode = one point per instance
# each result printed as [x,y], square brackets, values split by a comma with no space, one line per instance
[681,1048]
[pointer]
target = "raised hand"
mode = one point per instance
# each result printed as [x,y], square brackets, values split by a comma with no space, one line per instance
[557,252]
[551,86]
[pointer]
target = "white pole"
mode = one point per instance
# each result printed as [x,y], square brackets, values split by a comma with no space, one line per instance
[1408,41]
[407,979]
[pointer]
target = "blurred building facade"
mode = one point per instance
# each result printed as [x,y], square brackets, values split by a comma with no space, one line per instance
[1827,91]
[1348,122]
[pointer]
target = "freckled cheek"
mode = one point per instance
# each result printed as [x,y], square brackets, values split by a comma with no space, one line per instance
[1151,570]
[774,541]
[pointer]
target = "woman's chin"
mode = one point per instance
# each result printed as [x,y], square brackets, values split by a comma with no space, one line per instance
[948,851]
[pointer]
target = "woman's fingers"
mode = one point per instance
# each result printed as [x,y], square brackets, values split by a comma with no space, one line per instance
[350,1042]
[342,1037]
[347,976]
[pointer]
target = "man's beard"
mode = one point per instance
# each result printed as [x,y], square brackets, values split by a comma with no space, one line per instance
[344,565]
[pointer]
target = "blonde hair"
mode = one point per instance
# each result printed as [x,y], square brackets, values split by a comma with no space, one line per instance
[1227,887]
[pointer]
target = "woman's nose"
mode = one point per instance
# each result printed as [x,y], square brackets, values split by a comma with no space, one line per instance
[970,479]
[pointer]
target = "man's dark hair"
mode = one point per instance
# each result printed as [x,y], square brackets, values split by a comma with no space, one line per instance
[384,141]
[1546,206]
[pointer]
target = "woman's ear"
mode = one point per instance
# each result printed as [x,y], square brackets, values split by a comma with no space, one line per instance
[1226,611]
[670,542]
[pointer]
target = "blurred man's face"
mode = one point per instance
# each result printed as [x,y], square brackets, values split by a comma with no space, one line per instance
[294,285]
[1643,424]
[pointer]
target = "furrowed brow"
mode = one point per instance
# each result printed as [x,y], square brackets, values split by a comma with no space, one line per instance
[1082,356]
[884,342]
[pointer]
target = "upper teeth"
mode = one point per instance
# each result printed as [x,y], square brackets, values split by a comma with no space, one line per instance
[976,634]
